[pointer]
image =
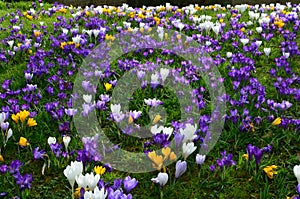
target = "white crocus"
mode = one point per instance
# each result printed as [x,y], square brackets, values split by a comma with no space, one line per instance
[188,132]
[244,41]
[115,108]
[168,131]
[80,180]
[164,72]
[258,43]
[267,51]
[87,98]
[66,140]
[155,79]
[188,149]
[11,43]
[155,130]
[76,39]
[88,195]
[297,172]
[180,26]
[259,30]
[286,55]
[229,54]
[9,134]
[92,180]
[162,179]
[51,140]
[72,171]
[100,194]
[96,32]
[65,31]
[89,32]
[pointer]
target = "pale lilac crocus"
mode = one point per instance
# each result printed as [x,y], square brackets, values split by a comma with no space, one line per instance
[180,168]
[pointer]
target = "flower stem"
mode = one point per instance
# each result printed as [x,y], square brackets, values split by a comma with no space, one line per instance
[161,194]
[72,191]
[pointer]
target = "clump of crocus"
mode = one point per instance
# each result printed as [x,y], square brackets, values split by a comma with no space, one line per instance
[158,160]
[21,116]
[72,172]
[226,160]
[99,170]
[269,171]
[257,152]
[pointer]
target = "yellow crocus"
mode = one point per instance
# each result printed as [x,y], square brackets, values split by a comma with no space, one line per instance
[23,115]
[99,170]
[107,86]
[37,33]
[15,117]
[277,121]
[269,171]
[156,119]
[245,156]
[130,119]
[63,44]
[1,158]
[156,159]
[23,142]
[166,152]
[31,122]
[172,156]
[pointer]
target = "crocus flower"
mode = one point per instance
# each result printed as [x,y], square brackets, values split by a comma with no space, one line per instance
[15,117]
[267,51]
[153,102]
[200,159]
[99,170]
[38,154]
[162,179]
[66,140]
[23,142]
[297,172]
[129,183]
[188,149]
[277,121]
[23,115]
[87,98]
[180,168]
[31,122]
[156,159]
[107,86]
[72,171]
[51,140]
[100,194]
[269,171]
[8,135]
[188,132]
[92,180]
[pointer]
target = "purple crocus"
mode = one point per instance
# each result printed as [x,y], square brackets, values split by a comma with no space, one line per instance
[153,102]
[38,154]
[129,183]
[180,168]
[14,166]
[24,181]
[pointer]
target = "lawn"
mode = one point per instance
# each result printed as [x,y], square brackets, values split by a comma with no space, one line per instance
[152,102]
